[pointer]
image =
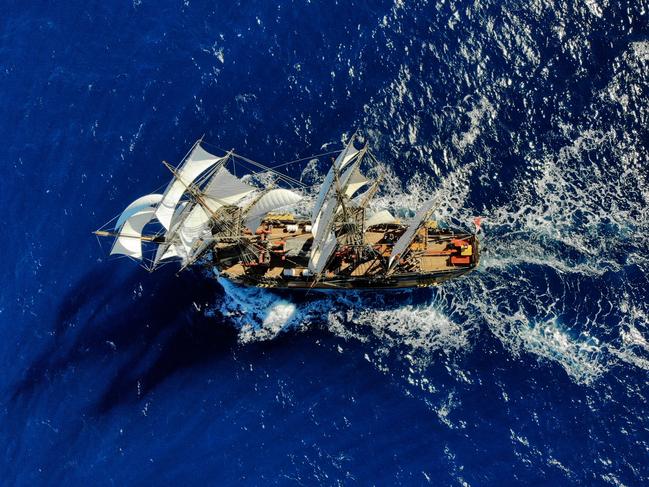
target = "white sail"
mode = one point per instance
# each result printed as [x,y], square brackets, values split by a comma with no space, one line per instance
[168,249]
[323,236]
[165,252]
[406,238]
[224,188]
[343,159]
[179,211]
[380,218]
[321,255]
[272,200]
[146,201]
[322,226]
[331,204]
[129,240]
[363,199]
[193,227]
[355,181]
[192,223]
[198,161]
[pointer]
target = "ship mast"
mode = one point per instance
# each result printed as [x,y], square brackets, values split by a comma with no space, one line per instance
[353,216]
[201,205]
[336,219]
[216,209]
[216,214]
[191,188]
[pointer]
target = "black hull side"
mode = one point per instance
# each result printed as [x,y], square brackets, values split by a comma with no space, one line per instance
[400,281]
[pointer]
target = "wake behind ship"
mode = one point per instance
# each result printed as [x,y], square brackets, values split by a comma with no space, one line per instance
[256,235]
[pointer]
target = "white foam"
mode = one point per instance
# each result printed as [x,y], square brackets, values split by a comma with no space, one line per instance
[260,314]
[571,222]
[501,295]
[479,115]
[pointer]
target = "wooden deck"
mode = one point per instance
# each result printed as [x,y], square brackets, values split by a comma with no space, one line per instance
[288,244]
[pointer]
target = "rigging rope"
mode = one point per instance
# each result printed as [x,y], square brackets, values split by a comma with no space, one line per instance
[275,167]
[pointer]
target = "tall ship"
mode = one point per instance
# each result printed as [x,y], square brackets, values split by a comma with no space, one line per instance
[255,231]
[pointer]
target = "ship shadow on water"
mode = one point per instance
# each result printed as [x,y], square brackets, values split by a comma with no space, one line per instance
[138,328]
[129,331]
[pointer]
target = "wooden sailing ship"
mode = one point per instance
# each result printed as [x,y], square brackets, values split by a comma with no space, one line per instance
[254,235]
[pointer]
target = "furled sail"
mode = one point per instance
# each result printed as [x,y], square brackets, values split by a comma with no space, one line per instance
[406,238]
[271,200]
[198,161]
[129,242]
[146,201]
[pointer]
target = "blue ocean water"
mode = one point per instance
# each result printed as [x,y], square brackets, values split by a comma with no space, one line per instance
[532,370]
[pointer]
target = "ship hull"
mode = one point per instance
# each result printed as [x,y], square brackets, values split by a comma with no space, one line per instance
[385,283]
[439,259]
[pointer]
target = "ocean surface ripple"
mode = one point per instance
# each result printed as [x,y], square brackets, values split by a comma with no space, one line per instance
[532,370]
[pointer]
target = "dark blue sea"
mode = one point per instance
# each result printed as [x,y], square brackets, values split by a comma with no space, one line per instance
[532,370]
